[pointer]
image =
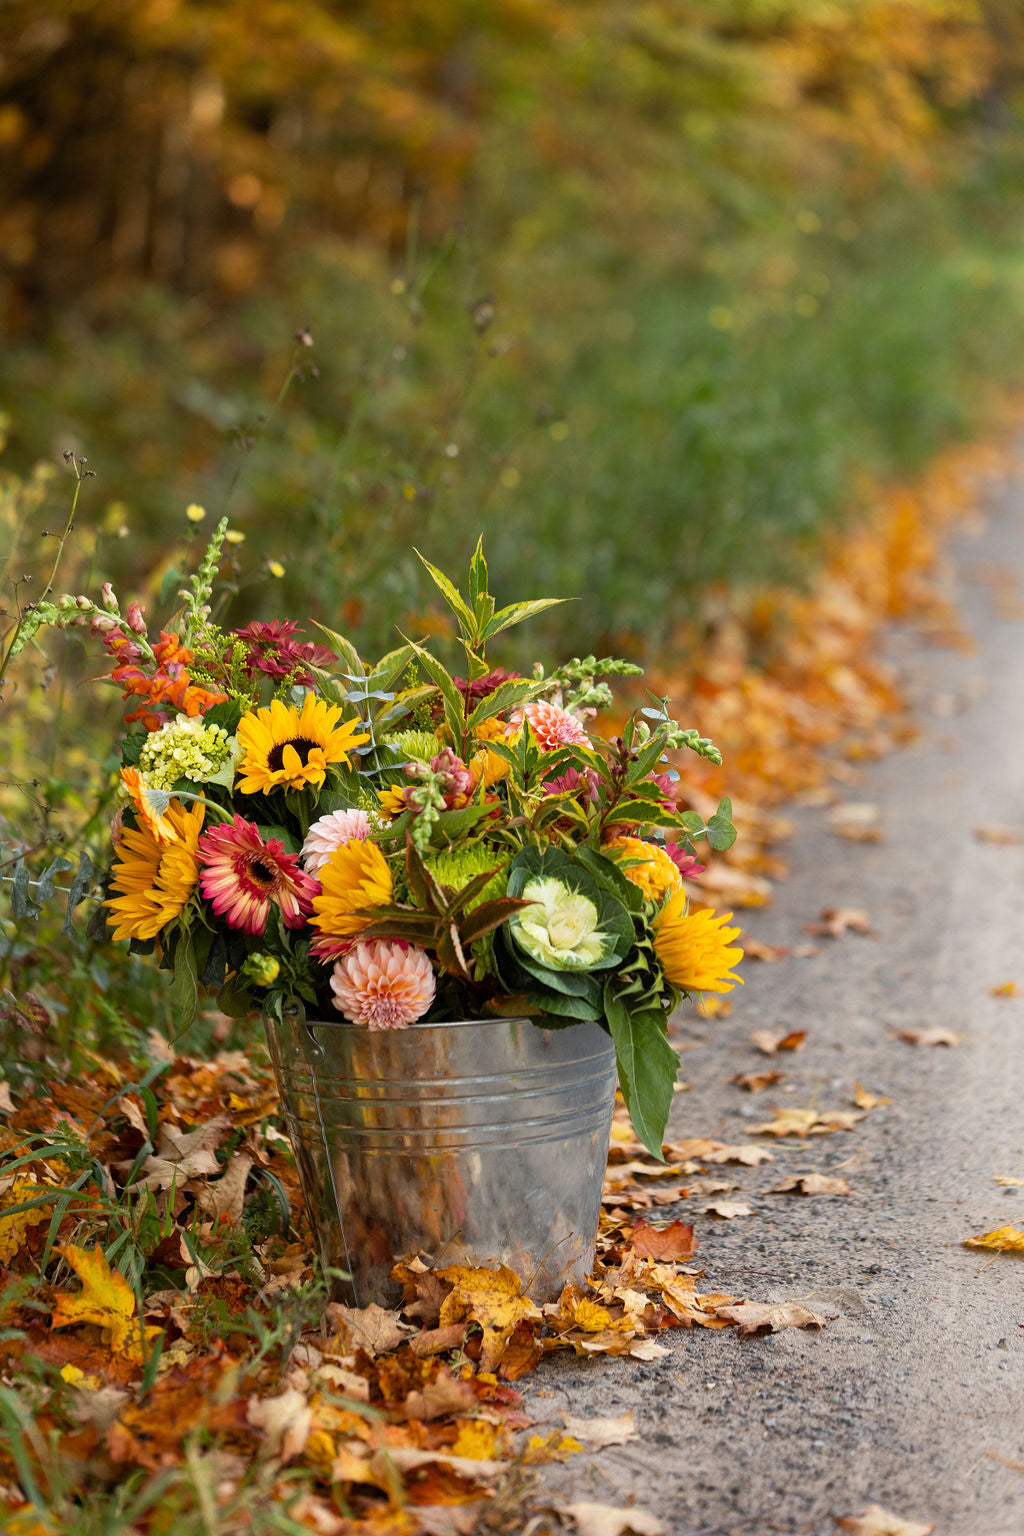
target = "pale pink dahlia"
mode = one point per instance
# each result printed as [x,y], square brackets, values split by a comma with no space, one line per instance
[552,725]
[242,875]
[331,832]
[383,984]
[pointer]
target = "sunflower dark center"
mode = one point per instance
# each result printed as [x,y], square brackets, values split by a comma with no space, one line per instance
[262,871]
[302,745]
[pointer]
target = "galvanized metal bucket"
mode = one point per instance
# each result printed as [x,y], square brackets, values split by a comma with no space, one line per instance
[481,1142]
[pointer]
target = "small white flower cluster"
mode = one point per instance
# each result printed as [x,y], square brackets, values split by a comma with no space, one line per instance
[188,748]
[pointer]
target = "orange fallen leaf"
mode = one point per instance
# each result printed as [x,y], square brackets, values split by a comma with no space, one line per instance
[676,1241]
[1003,1239]
[372,1328]
[929,1037]
[769,1044]
[865,1100]
[811,1184]
[769,1316]
[876,1521]
[1005,989]
[755,1082]
[106,1299]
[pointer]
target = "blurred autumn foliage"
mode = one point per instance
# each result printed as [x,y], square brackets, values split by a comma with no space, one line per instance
[192,143]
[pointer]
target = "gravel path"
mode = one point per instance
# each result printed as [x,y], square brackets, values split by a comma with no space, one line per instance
[913,1395]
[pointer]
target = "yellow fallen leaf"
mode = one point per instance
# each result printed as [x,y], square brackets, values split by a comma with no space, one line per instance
[14,1229]
[865,1100]
[106,1299]
[1008,1181]
[1003,1239]
[1005,989]
[491,1297]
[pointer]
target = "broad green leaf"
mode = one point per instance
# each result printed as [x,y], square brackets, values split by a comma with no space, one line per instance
[454,703]
[344,649]
[506,696]
[721,833]
[391,668]
[517,612]
[185,983]
[647,1065]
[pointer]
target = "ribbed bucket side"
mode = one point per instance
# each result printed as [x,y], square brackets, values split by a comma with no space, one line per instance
[478,1142]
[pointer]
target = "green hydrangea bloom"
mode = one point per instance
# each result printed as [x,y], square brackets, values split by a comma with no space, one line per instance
[189,748]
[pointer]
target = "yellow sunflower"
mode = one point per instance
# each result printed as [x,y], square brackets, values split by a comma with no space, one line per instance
[289,748]
[655,874]
[693,947]
[392,801]
[154,880]
[355,877]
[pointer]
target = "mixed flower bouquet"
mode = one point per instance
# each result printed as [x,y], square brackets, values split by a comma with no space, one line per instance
[394,843]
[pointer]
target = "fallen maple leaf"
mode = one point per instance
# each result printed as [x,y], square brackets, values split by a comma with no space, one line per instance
[811,1184]
[769,1044]
[676,1241]
[605,1520]
[876,1521]
[1004,1239]
[865,1100]
[808,1122]
[372,1328]
[285,1421]
[728,1209]
[929,1037]
[747,1154]
[601,1432]
[835,921]
[756,1082]
[769,1316]
[106,1299]
[491,1297]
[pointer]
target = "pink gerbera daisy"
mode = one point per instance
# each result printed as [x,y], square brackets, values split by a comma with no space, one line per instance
[242,875]
[384,984]
[552,725]
[332,832]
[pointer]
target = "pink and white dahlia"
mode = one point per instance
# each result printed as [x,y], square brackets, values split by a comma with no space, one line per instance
[331,832]
[552,725]
[384,984]
[242,875]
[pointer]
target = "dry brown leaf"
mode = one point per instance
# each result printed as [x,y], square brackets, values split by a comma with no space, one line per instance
[598,1433]
[728,1209]
[856,820]
[605,1520]
[756,1082]
[929,1037]
[769,1044]
[876,1521]
[444,1395]
[674,1242]
[865,1100]
[285,1421]
[769,1316]
[747,1154]
[372,1328]
[1005,837]
[811,1184]
[226,1197]
[1003,1239]
[835,921]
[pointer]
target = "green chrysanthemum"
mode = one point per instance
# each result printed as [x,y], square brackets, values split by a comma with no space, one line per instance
[456,867]
[418,745]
